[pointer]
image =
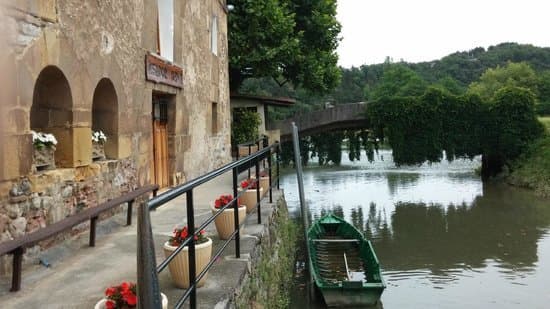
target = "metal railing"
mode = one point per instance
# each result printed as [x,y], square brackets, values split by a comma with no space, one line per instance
[148,286]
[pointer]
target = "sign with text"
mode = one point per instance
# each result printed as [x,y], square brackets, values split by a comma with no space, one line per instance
[163,72]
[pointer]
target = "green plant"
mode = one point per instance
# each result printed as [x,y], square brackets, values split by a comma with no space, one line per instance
[245,126]
[181,234]
[41,140]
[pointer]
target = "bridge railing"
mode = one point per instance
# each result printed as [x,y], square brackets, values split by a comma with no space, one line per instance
[148,285]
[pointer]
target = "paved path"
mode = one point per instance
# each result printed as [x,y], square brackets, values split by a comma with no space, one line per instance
[78,274]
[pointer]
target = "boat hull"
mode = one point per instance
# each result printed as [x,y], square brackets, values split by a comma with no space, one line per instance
[341,297]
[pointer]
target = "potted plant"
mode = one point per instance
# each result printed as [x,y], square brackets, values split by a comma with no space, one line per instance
[179,266]
[98,145]
[264,182]
[123,296]
[249,197]
[44,149]
[225,222]
[244,129]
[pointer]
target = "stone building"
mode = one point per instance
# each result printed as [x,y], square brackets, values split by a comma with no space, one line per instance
[151,74]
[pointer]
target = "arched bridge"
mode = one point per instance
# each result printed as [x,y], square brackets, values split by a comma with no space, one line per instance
[339,117]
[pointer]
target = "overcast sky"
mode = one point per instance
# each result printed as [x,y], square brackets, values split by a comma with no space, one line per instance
[424,30]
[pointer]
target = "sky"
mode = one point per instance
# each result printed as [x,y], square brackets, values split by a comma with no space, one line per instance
[425,30]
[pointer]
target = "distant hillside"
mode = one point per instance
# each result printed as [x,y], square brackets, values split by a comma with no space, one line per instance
[464,67]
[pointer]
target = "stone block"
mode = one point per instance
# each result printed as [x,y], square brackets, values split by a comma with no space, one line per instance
[18,227]
[86,172]
[82,141]
[64,147]
[124,146]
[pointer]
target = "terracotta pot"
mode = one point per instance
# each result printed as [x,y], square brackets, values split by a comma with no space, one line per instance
[264,184]
[225,222]
[101,304]
[249,198]
[179,267]
[243,150]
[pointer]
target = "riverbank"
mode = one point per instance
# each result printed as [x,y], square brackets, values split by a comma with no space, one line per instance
[532,169]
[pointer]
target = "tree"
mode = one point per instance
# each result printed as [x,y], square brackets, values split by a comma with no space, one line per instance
[290,40]
[398,80]
[511,75]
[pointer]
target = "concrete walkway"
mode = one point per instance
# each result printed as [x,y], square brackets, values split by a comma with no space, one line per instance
[79,275]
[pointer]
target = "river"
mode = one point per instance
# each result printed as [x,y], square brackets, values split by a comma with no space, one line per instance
[444,238]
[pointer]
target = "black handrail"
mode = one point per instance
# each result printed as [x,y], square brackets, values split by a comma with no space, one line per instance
[237,167]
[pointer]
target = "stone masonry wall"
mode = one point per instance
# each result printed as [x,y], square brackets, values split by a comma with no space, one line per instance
[56,194]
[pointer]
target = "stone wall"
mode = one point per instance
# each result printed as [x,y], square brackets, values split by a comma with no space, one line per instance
[53,195]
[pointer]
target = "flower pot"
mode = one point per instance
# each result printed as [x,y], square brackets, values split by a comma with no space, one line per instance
[101,304]
[225,222]
[249,198]
[243,150]
[98,151]
[179,266]
[43,158]
[264,184]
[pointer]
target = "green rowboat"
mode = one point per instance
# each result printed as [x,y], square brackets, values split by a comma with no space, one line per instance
[343,264]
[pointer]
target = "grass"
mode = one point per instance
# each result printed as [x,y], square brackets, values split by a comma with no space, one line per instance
[532,169]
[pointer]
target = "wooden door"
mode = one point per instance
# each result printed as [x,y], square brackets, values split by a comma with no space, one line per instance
[160,142]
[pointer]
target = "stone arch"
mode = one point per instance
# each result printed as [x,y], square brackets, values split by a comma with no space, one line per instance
[105,115]
[52,111]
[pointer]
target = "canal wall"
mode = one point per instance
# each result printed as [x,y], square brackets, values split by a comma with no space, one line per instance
[272,264]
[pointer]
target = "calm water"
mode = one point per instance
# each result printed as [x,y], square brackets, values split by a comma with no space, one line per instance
[444,239]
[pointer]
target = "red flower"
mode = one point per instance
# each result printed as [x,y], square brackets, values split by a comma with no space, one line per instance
[181,234]
[110,291]
[121,296]
[110,304]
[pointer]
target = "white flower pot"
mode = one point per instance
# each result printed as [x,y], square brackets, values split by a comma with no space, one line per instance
[101,304]
[179,266]
[225,222]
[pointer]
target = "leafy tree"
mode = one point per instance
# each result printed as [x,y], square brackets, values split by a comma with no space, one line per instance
[398,80]
[245,126]
[511,75]
[290,40]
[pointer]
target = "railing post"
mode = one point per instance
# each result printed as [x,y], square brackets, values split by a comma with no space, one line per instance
[249,152]
[236,216]
[17,269]
[129,214]
[155,192]
[93,223]
[269,175]
[147,281]
[258,200]
[191,247]
[277,164]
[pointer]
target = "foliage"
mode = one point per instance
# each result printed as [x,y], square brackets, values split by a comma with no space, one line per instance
[532,169]
[398,80]
[289,40]
[249,184]
[420,128]
[327,147]
[245,126]
[179,235]
[121,296]
[41,140]
[99,137]
[271,277]
[223,200]
[513,74]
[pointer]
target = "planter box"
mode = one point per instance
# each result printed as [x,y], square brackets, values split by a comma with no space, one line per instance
[243,150]
[44,159]
[179,266]
[225,222]
[249,199]
[98,151]
[264,184]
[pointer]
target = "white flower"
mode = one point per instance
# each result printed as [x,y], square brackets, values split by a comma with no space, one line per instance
[98,137]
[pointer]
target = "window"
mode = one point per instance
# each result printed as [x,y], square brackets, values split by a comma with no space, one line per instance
[214,35]
[214,118]
[166,29]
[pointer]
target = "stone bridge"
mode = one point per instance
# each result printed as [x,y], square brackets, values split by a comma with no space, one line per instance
[339,117]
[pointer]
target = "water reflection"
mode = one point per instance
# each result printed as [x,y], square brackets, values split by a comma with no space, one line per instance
[439,232]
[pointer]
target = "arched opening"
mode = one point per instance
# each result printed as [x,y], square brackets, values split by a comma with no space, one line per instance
[105,115]
[51,111]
